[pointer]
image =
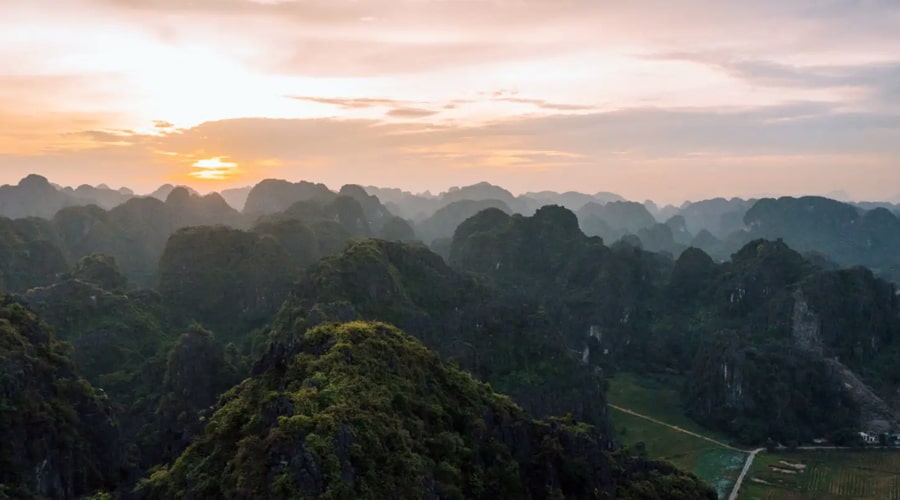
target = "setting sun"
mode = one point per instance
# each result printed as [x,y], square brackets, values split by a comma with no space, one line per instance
[214,169]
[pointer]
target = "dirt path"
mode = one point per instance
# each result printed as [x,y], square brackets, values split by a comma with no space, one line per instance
[740,479]
[751,453]
[676,428]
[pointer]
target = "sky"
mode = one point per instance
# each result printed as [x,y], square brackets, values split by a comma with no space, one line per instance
[651,99]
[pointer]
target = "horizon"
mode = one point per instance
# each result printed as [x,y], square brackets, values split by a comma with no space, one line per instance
[837,196]
[647,100]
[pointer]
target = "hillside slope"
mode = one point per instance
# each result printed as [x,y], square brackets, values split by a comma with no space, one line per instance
[361,410]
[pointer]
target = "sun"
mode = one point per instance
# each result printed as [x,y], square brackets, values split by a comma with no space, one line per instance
[214,169]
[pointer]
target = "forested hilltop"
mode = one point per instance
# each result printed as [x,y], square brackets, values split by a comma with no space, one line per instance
[316,344]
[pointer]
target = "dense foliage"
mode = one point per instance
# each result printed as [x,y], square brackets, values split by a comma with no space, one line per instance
[770,392]
[226,279]
[772,345]
[510,344]
[58,438]
[29,254]
[363,411]
[624,307]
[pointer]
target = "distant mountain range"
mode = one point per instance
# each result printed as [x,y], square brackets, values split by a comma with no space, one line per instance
[719,226]
[35,196]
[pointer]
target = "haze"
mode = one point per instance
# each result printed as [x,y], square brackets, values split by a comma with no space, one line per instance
[648,99]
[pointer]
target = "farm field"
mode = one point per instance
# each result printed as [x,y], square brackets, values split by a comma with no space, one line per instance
[824,474]
[717,465]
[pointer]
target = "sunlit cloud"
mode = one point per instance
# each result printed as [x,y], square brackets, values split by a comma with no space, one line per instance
[646,97]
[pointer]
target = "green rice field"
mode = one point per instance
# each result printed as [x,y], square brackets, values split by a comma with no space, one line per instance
[719,466]
[824,474]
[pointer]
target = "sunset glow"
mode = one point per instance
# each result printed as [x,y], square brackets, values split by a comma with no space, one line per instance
[642,98]
[213,169]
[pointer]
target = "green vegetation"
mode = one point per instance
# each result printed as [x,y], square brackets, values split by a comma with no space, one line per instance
[362,410]
[511,344]
[655,395]
[782,394]
[135,232]
[198,369]
[824,475]
[715,464]
[29,256]
[756,337]
[58,438]
[758,348]
[102,271]
[229,280]
[112,332]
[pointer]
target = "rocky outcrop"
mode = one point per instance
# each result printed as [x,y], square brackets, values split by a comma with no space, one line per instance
[774,392]
[875,415]
[805,325]
[198,371]
[58,438]
[361,410]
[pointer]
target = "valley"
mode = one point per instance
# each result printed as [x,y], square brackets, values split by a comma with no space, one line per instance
[651,421]
[277,342]
[648,419]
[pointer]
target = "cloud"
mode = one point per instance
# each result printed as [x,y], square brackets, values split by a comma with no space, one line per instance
[721,89]
[411,113]
[880,79]
[397,108]
[376,57]
[665,154]
[542,104]
[352,103]
[120,137]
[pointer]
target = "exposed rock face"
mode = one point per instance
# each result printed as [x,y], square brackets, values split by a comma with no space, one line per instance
[806,325]
[197,372]
[875,414]
[785,394]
